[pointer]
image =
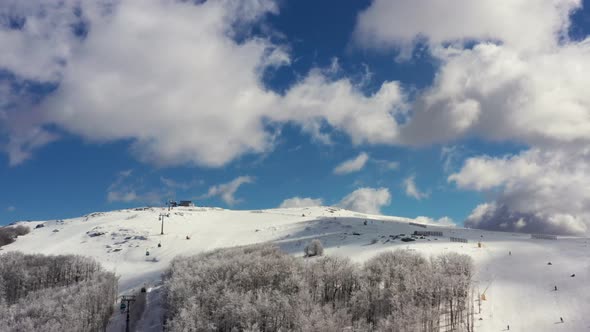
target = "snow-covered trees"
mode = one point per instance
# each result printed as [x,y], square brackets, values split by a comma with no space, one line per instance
[262,289]
[314,248]
[54,293]
[403,291]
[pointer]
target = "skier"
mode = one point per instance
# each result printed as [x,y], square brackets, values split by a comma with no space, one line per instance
[508,327]
[556,288]
[561,319]
[510,253]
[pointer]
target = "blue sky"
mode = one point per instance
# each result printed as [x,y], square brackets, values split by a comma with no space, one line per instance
[247,105]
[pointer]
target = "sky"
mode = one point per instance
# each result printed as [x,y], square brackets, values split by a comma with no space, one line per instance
[468,112]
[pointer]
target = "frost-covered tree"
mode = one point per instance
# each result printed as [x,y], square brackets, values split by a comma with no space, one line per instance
[54,293]
[262,289]
[314,248]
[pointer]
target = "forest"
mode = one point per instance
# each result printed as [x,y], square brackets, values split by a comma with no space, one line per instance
[54,293]
[261,288]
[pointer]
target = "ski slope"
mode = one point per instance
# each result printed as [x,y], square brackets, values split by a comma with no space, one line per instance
[518,288]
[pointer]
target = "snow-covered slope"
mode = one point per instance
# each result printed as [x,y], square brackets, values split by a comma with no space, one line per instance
[518,288]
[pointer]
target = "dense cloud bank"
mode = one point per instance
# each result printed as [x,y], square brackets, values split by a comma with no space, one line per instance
[54,293]
[262,289]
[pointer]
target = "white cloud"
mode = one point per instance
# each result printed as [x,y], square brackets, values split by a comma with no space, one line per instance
[497,93]
[181,97]
[352,165]
[537,190]
[520,81]
[315,101]
[39,49]
[412,190]
[524,24]
[142,74]
[228,190]
[11,208]
[298,202]
[366,200]
[508,72]
[444,221]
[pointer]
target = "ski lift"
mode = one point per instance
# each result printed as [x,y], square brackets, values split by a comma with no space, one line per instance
[123,306]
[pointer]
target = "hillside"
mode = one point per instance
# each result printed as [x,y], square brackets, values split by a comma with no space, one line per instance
[518,288]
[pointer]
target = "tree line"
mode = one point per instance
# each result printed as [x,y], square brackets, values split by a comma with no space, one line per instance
[54,293]
[263,289]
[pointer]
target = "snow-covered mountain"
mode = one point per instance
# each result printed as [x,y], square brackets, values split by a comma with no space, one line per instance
[513,272]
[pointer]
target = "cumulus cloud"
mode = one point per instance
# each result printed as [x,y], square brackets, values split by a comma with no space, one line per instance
[497,93]
[508,72]
[181,96]
[537,191]
[352,165]
[298,202]
[316,100]
[412,190]
[43,41]
[525,24]
[506,84]
[141,73]
[227,191]
[366,200]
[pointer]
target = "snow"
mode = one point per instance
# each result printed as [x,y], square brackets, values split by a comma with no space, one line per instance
[519,288]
